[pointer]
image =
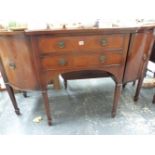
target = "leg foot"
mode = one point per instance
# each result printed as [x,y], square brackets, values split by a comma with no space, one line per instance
[113,114]
[135,98]
[17,112]
[118,89]
[49,122]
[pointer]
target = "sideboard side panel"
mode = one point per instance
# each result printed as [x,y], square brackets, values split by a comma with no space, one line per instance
[139,49]
[15,52]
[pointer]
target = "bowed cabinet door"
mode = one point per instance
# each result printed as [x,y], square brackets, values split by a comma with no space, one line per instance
[17,60]
[138,55]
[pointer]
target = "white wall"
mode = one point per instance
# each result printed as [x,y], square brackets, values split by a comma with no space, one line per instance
[39,11]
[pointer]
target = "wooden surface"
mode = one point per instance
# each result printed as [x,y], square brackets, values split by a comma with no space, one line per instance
[16,55]
[31,59]
[50,44]
[139,50]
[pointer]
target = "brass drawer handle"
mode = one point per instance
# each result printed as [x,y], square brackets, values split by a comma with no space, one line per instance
[12,65]
[104,42]
[62,62]
[61,44]
[102,58]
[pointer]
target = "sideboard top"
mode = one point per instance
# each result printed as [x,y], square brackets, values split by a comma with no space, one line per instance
[81,30]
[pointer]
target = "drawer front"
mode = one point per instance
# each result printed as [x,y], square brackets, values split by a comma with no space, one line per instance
[66,44]
[104,59]
[82,60]
[55,62]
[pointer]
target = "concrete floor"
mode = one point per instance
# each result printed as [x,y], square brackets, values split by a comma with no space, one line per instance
[84,109]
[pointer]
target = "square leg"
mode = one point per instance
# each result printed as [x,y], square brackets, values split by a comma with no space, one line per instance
[117,94]
[13,99]
[47,107]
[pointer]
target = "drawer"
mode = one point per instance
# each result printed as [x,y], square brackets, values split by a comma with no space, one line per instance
[104,59]
[81,61]
[48,44]
[54,62]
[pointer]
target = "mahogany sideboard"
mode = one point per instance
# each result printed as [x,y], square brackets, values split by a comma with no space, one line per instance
[29,59]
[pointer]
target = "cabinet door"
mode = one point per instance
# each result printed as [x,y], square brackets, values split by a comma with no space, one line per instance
[17,61]
[138,54]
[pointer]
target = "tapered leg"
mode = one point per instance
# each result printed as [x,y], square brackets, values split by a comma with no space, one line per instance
[118,89]
[47,107]
[13,99]
[139,85]
[65,83]
[124,85]
[56,83]
[153,101]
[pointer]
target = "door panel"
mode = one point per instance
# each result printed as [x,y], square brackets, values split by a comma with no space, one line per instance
[138,51]
[16,57]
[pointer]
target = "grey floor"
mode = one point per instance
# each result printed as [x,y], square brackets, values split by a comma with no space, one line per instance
[85,108]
